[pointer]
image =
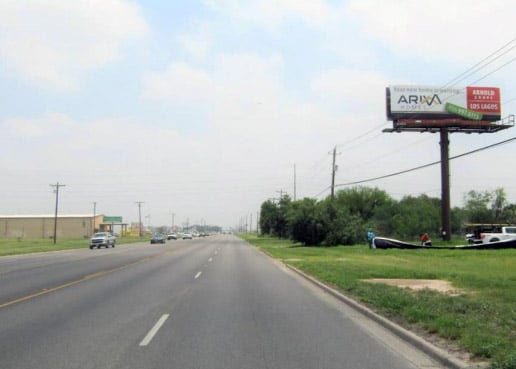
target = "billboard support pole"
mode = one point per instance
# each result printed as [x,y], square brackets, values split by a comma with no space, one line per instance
[445,185]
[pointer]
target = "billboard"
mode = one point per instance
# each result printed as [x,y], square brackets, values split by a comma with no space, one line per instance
[430,102]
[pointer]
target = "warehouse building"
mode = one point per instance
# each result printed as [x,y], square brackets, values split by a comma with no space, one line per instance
[68,226]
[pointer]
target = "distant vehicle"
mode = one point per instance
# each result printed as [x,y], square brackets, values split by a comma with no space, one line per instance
[157,238]
[187,236]
[100,239]
[171,236]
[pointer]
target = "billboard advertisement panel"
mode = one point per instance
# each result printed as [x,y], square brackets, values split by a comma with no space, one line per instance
[430,102]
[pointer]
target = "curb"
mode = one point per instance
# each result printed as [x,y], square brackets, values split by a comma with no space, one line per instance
[434,352]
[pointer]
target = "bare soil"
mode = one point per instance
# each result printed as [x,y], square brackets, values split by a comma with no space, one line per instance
[420,284]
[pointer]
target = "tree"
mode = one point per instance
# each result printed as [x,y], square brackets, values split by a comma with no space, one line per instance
[499,205]
[273,217]
[362,201]
[268,215]
[476,208]
[306,222]
[281,225]
[346,219]
[416,215]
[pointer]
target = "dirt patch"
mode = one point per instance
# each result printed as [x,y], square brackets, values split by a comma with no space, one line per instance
[420,284]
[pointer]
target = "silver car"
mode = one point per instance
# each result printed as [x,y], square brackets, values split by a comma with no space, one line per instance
[100,239]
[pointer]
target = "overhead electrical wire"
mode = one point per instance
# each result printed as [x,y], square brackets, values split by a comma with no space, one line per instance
[425,165]
[495,70]
[359,137]
[474,68]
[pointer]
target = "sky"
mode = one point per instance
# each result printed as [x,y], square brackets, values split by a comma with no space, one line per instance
[203,110]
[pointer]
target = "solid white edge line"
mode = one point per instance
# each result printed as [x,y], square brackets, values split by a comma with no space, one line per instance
[148,338]
[198,275]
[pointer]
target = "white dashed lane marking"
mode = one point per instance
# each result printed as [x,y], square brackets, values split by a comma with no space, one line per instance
[148,338]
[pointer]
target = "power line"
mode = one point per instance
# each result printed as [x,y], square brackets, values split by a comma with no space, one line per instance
[362,135]
[474,68]
[494,71]
[323,191]
[419,167]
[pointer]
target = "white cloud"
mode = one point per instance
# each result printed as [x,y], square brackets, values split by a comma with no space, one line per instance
[179,84]
[352,89]
[38,128]
[269,14]
[198,44]
[459,30]
[51,43]
[235,80]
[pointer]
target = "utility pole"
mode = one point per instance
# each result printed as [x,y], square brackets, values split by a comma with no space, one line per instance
[280,194]
[294,182]
[251,223]
[139,203]
[172,221]
[94,215]
[333,170]
[445,185]
[56,190]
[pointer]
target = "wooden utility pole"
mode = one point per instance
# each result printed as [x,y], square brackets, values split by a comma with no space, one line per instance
[94,215]
[333,170]
[294,182]
[56,190]
[445,185]
[139,203]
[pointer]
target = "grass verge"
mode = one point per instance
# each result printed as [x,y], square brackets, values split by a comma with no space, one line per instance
[27,246]
[481,320]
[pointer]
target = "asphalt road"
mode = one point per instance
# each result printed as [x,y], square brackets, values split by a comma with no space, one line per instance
[202,304]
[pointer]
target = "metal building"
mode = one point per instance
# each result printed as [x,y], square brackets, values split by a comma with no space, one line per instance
[42,226]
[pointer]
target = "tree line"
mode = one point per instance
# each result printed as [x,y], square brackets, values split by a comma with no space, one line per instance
[345,219]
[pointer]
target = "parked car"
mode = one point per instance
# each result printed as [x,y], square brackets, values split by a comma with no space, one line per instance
[100,239]
[187,236]
[157,238]
[171,236]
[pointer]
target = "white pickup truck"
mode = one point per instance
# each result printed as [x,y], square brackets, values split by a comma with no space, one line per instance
[499,234]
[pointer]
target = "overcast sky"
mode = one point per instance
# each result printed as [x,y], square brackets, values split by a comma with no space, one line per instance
[202,108]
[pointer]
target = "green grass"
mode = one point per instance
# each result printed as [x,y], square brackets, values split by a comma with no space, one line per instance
[26,246]
[481,320]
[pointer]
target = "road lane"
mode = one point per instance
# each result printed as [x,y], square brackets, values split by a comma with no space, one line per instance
[92,324]
[246,312]
[29,275]
[242,311]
